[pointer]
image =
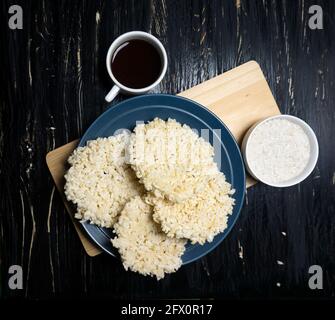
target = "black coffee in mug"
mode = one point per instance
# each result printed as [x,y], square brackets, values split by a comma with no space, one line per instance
[136,64]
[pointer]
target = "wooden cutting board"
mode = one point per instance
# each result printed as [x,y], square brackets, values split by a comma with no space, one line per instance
[240,97]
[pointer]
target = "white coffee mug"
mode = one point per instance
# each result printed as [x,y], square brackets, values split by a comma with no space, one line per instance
[134,35]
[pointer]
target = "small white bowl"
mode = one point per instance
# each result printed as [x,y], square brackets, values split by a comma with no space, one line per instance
[314,151]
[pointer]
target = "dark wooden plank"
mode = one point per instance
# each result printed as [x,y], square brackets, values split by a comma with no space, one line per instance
[54,85]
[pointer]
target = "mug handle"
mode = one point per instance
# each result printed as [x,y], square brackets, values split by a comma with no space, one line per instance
[112,94]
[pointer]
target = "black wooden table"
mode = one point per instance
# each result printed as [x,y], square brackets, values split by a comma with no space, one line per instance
[53,87]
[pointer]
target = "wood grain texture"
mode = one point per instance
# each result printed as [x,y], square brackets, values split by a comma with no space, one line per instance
[54,86]
[239,97]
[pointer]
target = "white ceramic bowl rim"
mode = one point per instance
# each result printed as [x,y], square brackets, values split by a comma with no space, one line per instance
[314,149]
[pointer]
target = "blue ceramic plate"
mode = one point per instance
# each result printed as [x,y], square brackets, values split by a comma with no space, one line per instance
[145,108]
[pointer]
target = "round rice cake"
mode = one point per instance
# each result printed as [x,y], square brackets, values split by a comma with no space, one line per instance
[99,181]
[199,218]
[143,247]
[170,159]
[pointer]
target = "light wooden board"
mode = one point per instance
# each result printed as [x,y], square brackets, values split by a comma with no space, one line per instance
[240,97]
